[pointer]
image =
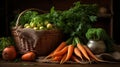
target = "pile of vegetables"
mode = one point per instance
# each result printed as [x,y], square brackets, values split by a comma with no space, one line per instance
[37,22]
[34,20]
[72,51]
[8,51]
[76,23]
[40,26]
[70,22]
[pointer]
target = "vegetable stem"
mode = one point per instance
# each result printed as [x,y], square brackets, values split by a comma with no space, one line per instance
[77,40]
[69,40]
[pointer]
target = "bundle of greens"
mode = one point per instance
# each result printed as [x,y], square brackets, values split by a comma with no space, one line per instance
[76,20]
[96,34]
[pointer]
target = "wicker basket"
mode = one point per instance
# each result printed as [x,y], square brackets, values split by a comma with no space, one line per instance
[41,42]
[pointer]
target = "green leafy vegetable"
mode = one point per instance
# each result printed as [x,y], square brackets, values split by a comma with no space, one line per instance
[100,34]
[25,18]
[76,20]
[96,34]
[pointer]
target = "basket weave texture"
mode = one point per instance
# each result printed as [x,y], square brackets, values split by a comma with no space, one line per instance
[42,42]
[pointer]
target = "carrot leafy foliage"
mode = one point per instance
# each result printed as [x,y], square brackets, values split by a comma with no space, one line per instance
[76,20]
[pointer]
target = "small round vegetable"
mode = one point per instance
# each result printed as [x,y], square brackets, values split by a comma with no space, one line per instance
[32,24]
[35,28]
[9,53]
[26,25]
[49,26]
[41,28]
[29,56]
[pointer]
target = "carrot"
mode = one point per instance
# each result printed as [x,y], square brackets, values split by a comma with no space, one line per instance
[77,52]
[74,58]
[61,52]
[63,58]
[91,54]
[61,46]
[57,58]
[81,48]
[69,53]
[29,56]
[83,51]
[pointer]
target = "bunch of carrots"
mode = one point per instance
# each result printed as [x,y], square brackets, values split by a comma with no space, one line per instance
[74,51]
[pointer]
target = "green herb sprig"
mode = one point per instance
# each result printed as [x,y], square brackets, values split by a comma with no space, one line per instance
[5,42]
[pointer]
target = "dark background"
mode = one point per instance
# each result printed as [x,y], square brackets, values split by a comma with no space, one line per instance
[8,9]
[116,25]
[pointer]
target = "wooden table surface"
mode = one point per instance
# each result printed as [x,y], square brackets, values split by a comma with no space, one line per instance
[37,64]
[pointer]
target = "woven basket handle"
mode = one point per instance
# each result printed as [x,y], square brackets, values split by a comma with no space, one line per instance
[35,9]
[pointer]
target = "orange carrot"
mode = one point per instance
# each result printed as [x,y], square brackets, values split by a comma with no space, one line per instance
[69,53]
[77,52]
[74,58]
[83,51]
[61,46]
[63,58]
[57,58]
[91,54]
[61,52]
